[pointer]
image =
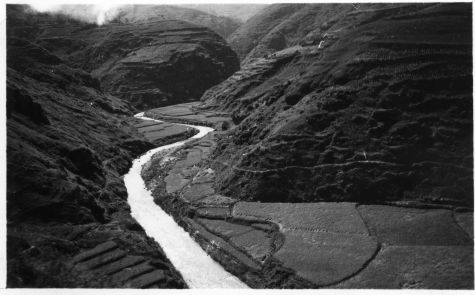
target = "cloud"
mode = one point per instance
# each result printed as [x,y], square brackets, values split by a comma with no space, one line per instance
[93,13]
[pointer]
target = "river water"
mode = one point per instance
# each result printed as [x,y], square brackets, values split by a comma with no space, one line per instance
[197,268]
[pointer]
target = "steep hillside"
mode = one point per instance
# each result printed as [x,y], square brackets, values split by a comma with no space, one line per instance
[377,108]
[280,26]
[248,36]
[69,141]
[149,64]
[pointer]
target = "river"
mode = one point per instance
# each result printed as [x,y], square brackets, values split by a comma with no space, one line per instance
[197,268]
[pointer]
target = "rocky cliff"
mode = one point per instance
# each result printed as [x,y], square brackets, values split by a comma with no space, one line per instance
[69,141]
[369,103]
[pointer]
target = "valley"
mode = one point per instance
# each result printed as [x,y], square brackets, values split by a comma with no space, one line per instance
[295,146]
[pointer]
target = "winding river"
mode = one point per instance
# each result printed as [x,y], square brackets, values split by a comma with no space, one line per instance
[197,268]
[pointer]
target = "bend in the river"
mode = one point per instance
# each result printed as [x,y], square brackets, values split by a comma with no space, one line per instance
[198,269]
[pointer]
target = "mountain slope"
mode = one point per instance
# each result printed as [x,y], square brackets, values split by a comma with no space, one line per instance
[280,26]
[152,63]
[69,140]
[224,26]
[248,36]
[89,13]
[377,109]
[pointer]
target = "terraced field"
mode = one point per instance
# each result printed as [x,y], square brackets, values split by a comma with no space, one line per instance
[322,244]
[121,270]
[346,159]
[188,113]
[161,133]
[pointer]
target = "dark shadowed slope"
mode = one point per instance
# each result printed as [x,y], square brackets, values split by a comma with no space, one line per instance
[158,63]
[64,137]
[149,64]
[69,141]
[378,108]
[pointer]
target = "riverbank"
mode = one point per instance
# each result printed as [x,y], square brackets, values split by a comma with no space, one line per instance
[197,268]
[120,254]
[307,245]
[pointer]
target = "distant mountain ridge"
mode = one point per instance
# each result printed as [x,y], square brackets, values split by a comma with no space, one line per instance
[222,25]
[241,12]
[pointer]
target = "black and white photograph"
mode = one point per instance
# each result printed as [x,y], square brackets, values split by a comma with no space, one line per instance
[241,145]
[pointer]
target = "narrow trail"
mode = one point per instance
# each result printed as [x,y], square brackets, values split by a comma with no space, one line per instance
[198,269]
